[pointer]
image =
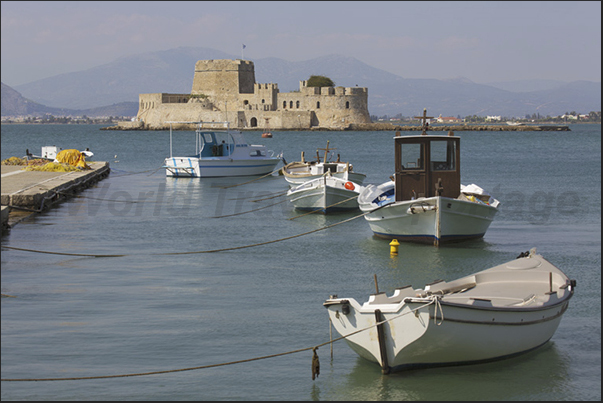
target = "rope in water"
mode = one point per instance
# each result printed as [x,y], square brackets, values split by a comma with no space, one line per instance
[321,210]
[315,364]
[249,211]
[191,252]
[271,196]
[253,180]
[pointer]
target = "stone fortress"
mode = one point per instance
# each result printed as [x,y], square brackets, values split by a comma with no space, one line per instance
[226,91]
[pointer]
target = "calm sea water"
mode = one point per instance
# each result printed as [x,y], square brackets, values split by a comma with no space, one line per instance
[151,311]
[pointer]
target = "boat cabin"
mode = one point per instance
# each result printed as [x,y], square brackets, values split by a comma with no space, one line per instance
[427,166]
[211,142]
[215,144]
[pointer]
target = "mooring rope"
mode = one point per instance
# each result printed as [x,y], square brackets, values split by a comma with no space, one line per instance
[313,348]
[253,180]
[438,307]
[30,210]
[248,211]
[321,210]
[60,253]
[202,251]
[276,194]
[89,197]
[186,253]
[137,173]
[271,197]
[267,242]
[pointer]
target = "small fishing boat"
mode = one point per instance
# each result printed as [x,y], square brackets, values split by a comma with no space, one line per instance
[50,153]
[326,194]
[298,172]
[492,314]
[425,201]
[220,153]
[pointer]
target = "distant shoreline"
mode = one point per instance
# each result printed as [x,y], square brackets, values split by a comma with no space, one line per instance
[371,127]
[391,127]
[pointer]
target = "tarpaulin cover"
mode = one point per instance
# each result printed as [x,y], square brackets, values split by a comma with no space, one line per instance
[72,157]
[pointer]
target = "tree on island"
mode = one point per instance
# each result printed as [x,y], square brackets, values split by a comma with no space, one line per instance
[320,81]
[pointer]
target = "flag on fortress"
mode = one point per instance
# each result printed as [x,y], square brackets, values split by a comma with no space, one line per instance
[244,46]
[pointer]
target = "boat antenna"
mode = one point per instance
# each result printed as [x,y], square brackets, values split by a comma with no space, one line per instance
[424,118]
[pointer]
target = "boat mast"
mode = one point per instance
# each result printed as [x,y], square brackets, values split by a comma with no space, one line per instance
[326,151]
[424,119]
[170,140]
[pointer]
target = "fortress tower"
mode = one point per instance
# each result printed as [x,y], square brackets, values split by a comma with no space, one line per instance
[224,80]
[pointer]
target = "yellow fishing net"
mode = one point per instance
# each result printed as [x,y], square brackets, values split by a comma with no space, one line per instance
[52,167]
[14,161]
[69,160]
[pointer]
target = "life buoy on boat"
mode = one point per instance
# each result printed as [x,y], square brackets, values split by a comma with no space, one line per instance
[349,186]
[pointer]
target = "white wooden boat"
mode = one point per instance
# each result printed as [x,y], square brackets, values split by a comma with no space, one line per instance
[326,194]
[220,153]
[298,172]
[493,314]
[425,200]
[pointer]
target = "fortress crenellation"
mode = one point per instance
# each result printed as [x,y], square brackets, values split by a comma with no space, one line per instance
[225,90]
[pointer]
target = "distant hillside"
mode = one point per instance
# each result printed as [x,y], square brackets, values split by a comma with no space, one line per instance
[527,85]
[121,80]
[14,104]
[172,71]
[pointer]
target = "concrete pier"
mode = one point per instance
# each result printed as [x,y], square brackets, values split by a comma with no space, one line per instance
[28,192]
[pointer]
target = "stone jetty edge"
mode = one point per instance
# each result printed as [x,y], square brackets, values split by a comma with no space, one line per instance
[41,198]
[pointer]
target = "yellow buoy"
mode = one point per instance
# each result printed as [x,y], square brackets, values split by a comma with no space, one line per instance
[393,246]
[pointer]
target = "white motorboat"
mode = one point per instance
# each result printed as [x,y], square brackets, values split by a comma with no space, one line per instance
[326,194]
[298,172]
[425,200]
[492,314]
[220,153]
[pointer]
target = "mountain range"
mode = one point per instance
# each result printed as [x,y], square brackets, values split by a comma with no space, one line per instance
[116,86]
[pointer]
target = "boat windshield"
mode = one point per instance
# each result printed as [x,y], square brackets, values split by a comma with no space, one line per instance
[412,156]
[216,144]
[443,155]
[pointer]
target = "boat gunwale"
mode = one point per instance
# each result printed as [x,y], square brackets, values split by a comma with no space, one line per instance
[494,323]
[400,305]
[423,199]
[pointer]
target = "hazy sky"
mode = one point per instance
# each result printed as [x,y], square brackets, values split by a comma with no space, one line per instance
[480,40]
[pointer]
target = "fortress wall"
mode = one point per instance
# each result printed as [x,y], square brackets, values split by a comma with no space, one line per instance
[175,98]
[155,118]
[296,119]
[265,96]
[357,90]
[306,111]
[149,101]
[333,107]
